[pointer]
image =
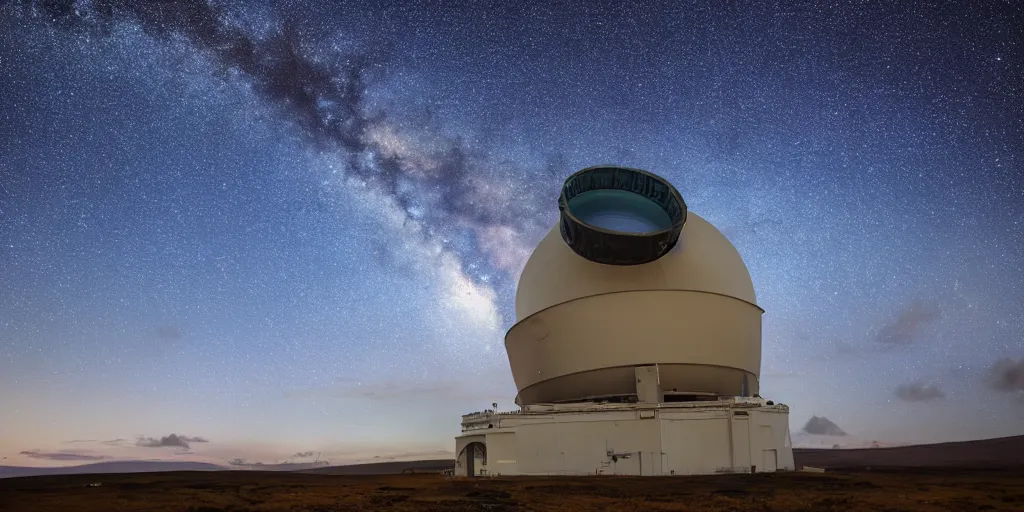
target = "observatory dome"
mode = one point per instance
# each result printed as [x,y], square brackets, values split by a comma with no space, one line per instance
[583,327]
[702,260]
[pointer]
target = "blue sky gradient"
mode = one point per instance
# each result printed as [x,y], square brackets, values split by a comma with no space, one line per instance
[313,245]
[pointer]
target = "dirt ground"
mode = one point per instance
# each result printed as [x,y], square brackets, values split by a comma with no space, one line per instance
[891,490]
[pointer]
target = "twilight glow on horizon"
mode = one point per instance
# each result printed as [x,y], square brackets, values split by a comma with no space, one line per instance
[275,231]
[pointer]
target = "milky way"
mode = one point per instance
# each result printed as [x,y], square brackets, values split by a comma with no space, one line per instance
[297,226]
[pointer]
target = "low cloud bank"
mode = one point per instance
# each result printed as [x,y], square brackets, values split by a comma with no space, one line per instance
[62,456]
[172,440]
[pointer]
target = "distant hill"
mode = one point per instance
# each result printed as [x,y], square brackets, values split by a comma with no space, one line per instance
[284,466]
[387,468]
[133,466]
[984,453]
[821,425]
[376,468]
[805,440]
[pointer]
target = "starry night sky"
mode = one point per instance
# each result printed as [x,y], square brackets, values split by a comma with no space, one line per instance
[297,226]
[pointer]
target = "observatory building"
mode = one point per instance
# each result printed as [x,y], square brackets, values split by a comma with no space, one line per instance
[637,346]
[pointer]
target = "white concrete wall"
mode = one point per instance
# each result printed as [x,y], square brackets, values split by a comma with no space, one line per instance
[741,459]
[676,441]
[502,453]
[772,433]
[579,444]
[695,445]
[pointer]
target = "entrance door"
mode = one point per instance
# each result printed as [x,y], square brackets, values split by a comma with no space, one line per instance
[471,459]
[650,463]
[743,457]
[770,460]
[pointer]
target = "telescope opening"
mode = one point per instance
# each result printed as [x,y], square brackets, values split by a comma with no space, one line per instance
[620,216]
[619,210]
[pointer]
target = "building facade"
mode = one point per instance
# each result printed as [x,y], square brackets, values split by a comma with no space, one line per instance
[686,438]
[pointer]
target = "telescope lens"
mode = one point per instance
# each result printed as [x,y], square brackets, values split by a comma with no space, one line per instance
[618,210]
[620,216]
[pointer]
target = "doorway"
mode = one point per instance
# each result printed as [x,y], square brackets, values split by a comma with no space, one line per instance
[770,460]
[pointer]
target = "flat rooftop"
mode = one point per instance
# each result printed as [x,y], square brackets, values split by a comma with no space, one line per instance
[482,418]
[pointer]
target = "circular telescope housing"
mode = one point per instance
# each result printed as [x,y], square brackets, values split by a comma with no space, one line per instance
[621,296]
[620,216]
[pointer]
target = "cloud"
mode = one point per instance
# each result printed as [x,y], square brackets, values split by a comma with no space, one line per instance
[108,442]
[1007,375]
[169,441]
[63,456]
[820,425]
[434,180]
[902,330]
[918,392]
[302,455]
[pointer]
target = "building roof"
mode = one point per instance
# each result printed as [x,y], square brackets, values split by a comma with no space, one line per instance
[703,260]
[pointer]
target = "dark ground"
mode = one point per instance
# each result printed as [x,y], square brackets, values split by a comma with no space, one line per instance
[975,475]
[236,491]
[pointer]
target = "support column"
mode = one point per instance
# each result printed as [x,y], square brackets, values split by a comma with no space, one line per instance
[732,444]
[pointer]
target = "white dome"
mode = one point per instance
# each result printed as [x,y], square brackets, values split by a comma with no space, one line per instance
[583,326]
[703,260]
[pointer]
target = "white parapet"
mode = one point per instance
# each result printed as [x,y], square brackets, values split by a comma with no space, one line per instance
[685,438]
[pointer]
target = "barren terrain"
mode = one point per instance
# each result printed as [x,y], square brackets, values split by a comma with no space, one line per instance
[891,491]
[975,475]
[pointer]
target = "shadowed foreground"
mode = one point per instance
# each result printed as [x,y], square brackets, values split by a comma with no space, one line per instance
[890,490]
